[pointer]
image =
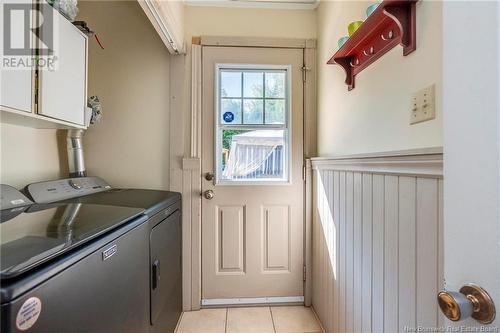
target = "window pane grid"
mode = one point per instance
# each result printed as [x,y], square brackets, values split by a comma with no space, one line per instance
[253,138]
[256,112]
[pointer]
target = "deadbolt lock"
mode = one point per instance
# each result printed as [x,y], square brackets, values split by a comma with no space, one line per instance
[209,176]
[209,194]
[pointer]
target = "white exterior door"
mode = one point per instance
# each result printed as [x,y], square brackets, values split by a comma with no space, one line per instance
[252,209]
[471,105]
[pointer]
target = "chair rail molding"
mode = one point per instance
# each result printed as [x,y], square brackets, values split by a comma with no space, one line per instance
[421,162]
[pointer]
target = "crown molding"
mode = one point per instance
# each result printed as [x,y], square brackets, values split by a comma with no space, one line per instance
[263,4]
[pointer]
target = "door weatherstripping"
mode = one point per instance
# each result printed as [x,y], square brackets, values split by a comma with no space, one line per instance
[252,300]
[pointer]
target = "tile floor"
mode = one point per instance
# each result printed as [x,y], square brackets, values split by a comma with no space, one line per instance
[278,319]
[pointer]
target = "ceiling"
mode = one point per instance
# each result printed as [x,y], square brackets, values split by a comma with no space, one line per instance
[277,4]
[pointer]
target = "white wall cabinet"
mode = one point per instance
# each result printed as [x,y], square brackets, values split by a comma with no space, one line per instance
[63,91]
[16,85]
[54,98]
[16,90]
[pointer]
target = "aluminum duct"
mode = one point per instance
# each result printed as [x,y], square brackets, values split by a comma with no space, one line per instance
[76,163]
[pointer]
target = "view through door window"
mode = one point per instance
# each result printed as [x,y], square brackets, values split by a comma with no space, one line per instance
[253,133]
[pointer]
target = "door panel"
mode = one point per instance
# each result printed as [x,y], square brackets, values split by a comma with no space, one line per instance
[231,234]
[252,232]
[277,238]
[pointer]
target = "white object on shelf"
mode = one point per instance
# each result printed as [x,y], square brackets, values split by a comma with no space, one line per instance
[67,8]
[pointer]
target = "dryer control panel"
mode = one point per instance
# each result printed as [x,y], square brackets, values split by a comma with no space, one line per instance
[63,189]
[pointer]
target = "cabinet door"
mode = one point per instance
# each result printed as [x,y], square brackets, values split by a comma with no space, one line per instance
[63,90]
[16,90]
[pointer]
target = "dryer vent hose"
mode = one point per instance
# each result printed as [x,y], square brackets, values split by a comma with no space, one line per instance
[76,162]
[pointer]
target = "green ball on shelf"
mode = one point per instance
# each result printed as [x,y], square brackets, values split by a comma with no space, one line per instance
[353,26]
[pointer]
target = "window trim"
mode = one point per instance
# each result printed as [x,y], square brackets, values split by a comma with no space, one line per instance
[286,127]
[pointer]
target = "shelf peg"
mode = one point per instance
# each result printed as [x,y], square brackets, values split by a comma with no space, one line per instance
[389,36]
[371,52]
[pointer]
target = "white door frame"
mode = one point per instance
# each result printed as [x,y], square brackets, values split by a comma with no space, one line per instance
[187,179]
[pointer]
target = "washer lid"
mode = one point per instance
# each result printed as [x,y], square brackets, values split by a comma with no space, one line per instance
[151,200]
[12,198]
[43,232]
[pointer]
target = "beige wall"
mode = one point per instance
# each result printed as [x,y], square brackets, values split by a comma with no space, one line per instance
[29,155]
[249,22]
[130,147]
[375,115]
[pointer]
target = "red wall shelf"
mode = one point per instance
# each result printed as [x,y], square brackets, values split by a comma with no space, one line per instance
[392,23]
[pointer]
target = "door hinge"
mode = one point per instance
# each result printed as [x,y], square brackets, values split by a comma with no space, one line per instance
[304,273]
[303,172]
[304,73]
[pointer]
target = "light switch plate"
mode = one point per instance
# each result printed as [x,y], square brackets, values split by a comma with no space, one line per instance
[422,107]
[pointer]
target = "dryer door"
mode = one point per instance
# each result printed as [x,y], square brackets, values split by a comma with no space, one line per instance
[166,274]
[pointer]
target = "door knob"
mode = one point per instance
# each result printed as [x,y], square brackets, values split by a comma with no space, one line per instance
[472,301]
[209,194]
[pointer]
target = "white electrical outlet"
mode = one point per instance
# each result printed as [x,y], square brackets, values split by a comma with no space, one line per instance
[422,106]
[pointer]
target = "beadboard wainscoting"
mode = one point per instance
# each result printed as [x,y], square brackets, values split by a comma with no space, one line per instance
[377,249]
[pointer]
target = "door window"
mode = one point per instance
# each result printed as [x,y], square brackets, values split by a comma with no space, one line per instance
[253,127]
